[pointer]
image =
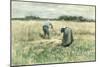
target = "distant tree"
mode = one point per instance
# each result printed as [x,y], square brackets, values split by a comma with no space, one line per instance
[31,17]
[63,18]
[72,18]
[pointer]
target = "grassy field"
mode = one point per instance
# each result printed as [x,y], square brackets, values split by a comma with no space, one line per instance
[29,48]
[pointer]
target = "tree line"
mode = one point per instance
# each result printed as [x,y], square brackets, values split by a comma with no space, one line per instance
[63,17]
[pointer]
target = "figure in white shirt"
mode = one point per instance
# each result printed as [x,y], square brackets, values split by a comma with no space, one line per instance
[46,28]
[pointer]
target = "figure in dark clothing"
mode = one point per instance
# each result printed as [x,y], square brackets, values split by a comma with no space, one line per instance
[46,29]
[67,36]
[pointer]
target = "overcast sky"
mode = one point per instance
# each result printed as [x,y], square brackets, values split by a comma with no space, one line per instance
[45,10]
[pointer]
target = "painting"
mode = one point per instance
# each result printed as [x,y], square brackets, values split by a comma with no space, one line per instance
[52,33]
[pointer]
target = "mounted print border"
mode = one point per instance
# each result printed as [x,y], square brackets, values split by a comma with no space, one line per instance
[44,33]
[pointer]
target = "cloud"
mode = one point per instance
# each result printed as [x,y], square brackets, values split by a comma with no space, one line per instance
[22,9]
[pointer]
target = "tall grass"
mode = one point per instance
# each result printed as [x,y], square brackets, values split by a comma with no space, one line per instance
[29,48]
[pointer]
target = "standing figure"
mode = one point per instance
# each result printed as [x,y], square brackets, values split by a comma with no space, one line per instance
[67,36]
[46,29]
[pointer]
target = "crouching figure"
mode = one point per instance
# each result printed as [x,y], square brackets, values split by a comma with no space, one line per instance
[67,36]
[46,29]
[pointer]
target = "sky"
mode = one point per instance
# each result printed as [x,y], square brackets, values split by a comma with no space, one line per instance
[48,10]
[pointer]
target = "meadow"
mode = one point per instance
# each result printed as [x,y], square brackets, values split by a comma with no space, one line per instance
[29,48]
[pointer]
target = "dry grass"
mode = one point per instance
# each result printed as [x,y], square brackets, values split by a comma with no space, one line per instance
[29,48]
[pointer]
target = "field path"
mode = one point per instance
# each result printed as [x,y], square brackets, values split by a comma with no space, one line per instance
[47,40]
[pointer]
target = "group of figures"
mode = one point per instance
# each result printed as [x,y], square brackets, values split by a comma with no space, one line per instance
[67,38]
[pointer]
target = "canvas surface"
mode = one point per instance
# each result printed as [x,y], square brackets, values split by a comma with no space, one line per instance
[30,46]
